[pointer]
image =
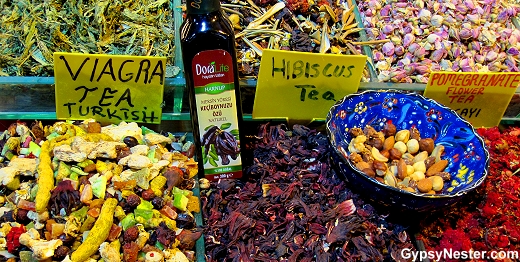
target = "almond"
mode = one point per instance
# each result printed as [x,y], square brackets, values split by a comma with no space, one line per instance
[437,167]
[424,185]
[401,169]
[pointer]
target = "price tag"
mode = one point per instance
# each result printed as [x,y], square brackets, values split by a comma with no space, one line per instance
[304,86]
[109,88]
[481,98]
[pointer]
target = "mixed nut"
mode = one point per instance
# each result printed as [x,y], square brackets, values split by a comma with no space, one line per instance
[126,184]
[400,159]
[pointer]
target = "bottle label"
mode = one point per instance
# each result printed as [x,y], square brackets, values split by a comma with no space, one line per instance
[213,78]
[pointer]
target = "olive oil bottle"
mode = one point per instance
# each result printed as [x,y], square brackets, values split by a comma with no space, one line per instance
[208,51]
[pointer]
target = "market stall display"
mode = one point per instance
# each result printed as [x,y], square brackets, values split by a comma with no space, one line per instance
[78,191]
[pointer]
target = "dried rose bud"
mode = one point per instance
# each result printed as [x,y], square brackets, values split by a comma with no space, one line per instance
[513,51]
[21,216]
[388,29]
[148,194]
[388,49]
[408,40]
[437,20]
[465,33]
[130,234]
[61,252]
[491,56]
[133,200]
[399,50]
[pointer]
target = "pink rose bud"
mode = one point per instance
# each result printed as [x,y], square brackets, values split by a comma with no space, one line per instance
[491,56]
[388,49]
[399,50]
[513,51]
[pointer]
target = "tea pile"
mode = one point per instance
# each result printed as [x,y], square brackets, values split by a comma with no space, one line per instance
[74,192]
[294,207]
[304,26]
[488,219]
[31,31]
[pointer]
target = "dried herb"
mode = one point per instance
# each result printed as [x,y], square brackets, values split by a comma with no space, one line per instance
[488,219]
[30,31]
[307,26]
[294,207]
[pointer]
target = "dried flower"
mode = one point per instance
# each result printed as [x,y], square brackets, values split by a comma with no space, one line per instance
[388,49]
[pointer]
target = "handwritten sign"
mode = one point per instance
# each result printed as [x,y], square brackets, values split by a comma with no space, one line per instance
[303,86]
[110,88]
[481,98]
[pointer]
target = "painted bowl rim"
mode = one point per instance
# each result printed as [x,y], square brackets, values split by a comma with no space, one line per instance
[475,184]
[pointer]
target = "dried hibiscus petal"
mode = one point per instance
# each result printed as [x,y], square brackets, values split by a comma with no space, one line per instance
[293,207]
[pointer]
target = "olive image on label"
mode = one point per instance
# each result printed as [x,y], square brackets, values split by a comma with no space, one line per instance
[219,143]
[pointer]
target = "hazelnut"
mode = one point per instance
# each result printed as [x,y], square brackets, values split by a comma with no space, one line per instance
[424,185]
[426,144]
[380,179]
[395,154]
[376,142]
[401,146]
[379,165]
[413,146]
[437,183]
[419,166]
[385,153]
[389,129]
[417,176]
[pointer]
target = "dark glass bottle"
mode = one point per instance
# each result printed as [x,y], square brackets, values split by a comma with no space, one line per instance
[208,51]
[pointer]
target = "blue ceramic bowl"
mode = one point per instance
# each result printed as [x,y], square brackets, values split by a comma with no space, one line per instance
[464,148]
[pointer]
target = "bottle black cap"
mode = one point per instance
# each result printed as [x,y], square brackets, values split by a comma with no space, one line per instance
[202,6]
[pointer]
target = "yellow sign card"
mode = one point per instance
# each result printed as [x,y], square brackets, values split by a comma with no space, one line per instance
[304,86]
[109,88]
[481,98]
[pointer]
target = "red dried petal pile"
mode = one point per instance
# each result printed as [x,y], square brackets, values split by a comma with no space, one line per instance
[294,207]
[488,219]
